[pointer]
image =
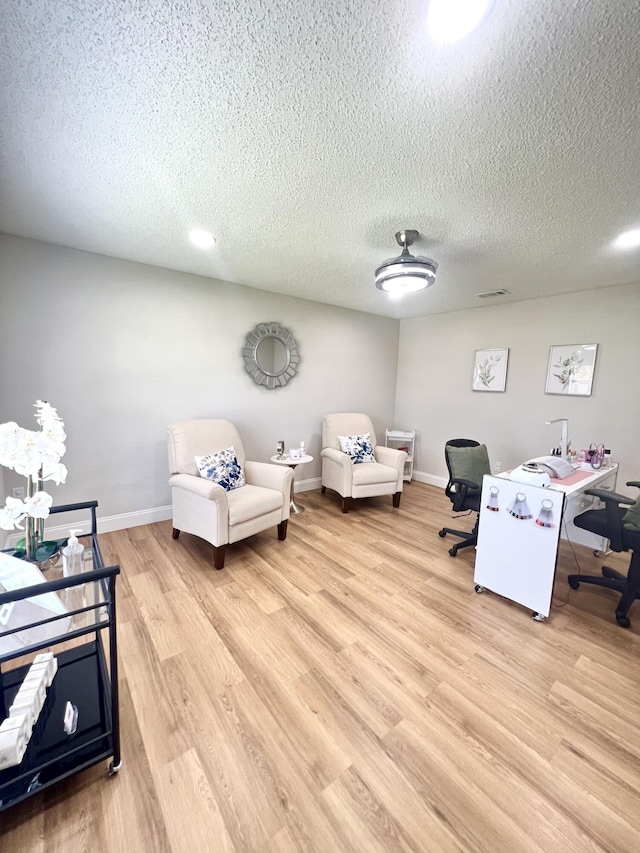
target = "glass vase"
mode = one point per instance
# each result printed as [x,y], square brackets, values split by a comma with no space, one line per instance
[31,526]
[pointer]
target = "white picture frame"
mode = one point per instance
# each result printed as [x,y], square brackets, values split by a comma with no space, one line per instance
[490,369]
[570,369]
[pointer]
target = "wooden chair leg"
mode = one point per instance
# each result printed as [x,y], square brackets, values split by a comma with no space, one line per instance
[218,556]
[345,504]
[396,499]
[175,533]
[282,530]
[323,489]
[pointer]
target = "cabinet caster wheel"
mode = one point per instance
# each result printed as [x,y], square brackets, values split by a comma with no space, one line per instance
[479,588]
[442,533]
[538,617]
[573,582]
[623,621]
[113,768]
[453,552]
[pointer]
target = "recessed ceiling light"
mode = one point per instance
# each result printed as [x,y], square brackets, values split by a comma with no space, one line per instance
[452,20]
[201,238]
[628,240]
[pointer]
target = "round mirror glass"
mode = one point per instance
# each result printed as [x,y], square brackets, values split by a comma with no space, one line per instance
[271,355]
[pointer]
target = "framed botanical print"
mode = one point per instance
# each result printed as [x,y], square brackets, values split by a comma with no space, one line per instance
[490,369]
[570,370]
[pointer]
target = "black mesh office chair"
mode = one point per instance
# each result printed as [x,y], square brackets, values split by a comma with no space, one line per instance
[464,494]
[607,522]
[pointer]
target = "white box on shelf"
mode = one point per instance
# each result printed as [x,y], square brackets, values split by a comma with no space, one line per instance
[14,739]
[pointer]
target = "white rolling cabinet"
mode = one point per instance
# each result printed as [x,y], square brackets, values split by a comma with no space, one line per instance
[403,440]
[519,529]
[518,533]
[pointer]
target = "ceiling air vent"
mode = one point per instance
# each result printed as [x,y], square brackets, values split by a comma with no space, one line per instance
[489,293]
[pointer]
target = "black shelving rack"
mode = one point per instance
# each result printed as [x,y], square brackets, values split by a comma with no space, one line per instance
[87,674]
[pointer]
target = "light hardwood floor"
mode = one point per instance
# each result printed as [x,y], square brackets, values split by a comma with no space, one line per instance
[347,690]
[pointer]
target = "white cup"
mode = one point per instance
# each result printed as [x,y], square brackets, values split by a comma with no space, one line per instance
[295,453]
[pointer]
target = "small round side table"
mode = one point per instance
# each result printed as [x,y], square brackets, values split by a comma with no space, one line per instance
[294,508]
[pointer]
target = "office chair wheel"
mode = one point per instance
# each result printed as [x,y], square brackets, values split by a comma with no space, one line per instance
[623,621]
[479,588]
[442,533]
[453,552]
[573,583]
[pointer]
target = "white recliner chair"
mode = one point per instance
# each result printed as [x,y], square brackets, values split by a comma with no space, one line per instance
[365,479]
[204,508]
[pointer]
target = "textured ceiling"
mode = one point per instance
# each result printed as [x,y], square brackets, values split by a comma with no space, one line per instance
[304,134]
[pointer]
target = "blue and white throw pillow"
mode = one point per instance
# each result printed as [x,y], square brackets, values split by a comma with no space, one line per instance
[358,447]
[222,468]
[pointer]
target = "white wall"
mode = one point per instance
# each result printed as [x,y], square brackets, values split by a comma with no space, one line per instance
[123,349]
[435,367]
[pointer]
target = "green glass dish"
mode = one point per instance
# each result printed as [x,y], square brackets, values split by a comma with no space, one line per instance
[45,551]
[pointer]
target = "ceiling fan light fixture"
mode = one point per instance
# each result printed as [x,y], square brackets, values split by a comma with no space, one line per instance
[407,273]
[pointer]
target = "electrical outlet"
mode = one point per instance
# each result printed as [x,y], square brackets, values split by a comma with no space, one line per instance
[497,466]
[18,493]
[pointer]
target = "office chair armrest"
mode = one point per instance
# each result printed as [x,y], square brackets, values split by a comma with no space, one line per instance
[463,490]
[634,483]
[613,497]
[467,484]
[612,502]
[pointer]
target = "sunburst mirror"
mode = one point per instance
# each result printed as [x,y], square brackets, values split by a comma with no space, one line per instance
[271,355]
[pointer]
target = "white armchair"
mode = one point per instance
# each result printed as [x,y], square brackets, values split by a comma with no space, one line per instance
[362,480]
[204,508]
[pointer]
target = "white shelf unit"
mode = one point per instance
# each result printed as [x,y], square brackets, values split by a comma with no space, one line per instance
[403,440]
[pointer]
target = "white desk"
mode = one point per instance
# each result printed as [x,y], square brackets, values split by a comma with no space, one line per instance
[517,545]
[577,502]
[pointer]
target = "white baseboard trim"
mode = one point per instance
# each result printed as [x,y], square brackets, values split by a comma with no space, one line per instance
[106,524]
[307,485]
[430,479]
[109,523]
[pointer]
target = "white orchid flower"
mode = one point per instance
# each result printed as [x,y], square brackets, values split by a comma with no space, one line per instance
[38,505]
[48,448]
[55,433]
[12,514]
[27,458]
[10,442]
[35,455]
[55,471]
[51,423]
[46,414]
[28,465]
